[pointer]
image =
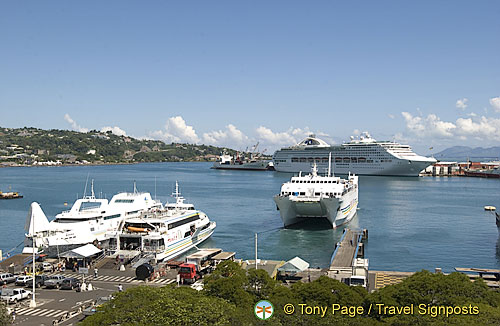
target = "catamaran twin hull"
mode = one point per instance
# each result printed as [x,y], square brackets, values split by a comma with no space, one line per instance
[337,211]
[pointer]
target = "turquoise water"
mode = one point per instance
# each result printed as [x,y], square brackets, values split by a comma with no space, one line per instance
[413,223]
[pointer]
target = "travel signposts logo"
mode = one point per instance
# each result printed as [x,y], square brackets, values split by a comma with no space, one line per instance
[263,310]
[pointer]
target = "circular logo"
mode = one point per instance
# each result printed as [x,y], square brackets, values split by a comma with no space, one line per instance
[263,310]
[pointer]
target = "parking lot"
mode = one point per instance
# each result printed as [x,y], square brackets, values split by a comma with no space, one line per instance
[65,307]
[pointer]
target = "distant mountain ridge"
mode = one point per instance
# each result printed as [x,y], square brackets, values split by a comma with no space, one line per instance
[464,152]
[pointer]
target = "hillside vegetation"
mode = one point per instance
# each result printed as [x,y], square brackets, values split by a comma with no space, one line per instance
[32,146]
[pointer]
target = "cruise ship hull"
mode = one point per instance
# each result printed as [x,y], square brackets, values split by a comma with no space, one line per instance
[397,167]
[298,209]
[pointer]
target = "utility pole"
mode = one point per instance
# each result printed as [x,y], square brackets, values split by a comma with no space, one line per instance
[256,267]
[33,301]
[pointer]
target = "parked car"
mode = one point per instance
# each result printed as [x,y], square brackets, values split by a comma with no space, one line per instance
[24,280]
[39,281]
[14,295]
[93,308]
[70,283]
[6,278]
[46,266]
[54,281]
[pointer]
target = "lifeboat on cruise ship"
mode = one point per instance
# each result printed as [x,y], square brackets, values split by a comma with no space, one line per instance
[136,229]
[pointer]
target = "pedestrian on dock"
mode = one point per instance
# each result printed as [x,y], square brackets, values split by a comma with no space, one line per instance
[90,287]
[84,287]
[120,288]
[96,272]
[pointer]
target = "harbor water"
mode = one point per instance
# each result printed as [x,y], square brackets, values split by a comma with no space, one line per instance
[413,223]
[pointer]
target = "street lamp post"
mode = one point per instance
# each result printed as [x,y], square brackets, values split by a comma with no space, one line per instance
[33,302]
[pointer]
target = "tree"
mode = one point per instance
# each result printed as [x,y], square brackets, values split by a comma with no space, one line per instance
[5,317]
[228,282]
[260,283]
[145,305]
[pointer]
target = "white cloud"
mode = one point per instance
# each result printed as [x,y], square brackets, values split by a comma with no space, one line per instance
[400,138]
[433,127]
[290,137]
[495,103]
[74,125]
[275,138]
[462,103]
[482,128]
[391,116]
[429,126]
[229,137]
[115,130]
[177,131]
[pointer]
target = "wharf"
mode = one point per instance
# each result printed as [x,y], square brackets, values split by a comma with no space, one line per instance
[347,250]
[379,279]
[490,276]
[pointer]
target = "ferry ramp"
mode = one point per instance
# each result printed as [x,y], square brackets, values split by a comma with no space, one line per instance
[349,248]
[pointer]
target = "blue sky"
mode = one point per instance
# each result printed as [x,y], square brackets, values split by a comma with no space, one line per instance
[232,73]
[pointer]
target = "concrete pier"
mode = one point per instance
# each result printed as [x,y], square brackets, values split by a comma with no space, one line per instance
[345,260]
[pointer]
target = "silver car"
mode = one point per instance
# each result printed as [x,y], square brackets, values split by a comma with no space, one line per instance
[54,281]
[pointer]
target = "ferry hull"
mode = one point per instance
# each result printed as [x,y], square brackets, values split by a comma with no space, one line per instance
[186,246]
[338,212]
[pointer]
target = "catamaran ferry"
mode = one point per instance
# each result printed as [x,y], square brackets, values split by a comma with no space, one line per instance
[88,220]
[363,156]
[165,233]
[310,196]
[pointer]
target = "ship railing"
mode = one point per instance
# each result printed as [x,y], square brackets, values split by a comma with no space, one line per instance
[312,198]
[136,259]
[100,257]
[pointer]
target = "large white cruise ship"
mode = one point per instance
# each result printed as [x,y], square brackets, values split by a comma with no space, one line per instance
[363,156]
[88,220]
[310,196]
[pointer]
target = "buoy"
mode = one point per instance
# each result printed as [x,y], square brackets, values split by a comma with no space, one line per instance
[490,208]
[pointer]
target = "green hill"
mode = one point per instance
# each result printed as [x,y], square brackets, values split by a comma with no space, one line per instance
[32,146]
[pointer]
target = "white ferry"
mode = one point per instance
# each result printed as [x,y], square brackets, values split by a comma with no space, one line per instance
[312,196]
[165,233]
[363,156]
[88,220]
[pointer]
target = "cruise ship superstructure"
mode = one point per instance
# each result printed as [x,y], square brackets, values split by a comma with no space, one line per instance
[363,156]
[165,233]
[88,220]
[312,196]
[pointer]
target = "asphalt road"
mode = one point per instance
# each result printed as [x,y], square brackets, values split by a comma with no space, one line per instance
[66,305]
